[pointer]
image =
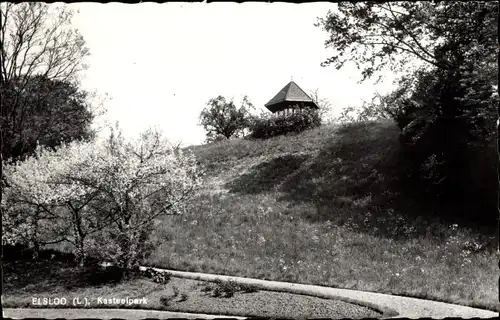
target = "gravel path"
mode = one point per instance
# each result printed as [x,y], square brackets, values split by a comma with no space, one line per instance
[390,305]
[188,297]
[196,296]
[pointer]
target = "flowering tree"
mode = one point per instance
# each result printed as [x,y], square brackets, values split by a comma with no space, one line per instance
[103,198]
[42,206]
[140,180]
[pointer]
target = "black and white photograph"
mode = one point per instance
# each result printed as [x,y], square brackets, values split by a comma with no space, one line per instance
[223,160]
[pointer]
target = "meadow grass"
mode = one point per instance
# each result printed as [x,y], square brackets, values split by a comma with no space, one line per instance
[326,207]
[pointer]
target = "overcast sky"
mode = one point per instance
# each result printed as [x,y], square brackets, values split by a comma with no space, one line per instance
[161,63]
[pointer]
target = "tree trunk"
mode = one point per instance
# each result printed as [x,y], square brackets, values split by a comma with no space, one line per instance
[81,253]
[79,236]
[36,250]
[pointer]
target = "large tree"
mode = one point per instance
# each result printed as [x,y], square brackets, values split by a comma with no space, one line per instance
[446,106]
[41,55]
[455,44]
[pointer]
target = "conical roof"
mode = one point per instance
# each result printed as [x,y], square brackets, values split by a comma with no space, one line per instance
[289,94]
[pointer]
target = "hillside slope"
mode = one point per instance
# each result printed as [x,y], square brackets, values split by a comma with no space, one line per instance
[334,165]
[325,207]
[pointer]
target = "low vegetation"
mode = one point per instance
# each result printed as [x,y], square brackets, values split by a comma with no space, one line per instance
[228,288]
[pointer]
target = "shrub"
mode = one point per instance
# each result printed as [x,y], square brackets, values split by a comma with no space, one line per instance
[227,289]
[156,276]
[269,126]
[247,288]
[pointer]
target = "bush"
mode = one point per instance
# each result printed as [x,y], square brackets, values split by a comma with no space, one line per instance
[227,289]
[270,126]
[157,276]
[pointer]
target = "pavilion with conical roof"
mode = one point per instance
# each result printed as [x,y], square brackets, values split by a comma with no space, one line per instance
[290,99]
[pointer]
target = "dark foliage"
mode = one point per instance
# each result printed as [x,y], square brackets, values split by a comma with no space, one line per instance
[227,289]
[45,111]
[266,127]
[448,144]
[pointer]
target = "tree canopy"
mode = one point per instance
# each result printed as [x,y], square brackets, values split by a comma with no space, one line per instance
[377,35]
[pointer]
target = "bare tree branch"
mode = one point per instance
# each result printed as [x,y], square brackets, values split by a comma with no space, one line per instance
[36,46]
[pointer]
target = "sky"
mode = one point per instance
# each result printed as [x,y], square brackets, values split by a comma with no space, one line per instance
[160,63]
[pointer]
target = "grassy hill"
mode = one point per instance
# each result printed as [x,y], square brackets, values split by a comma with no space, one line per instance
[326,207]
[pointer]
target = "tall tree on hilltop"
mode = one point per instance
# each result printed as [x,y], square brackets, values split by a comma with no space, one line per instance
[223,119]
